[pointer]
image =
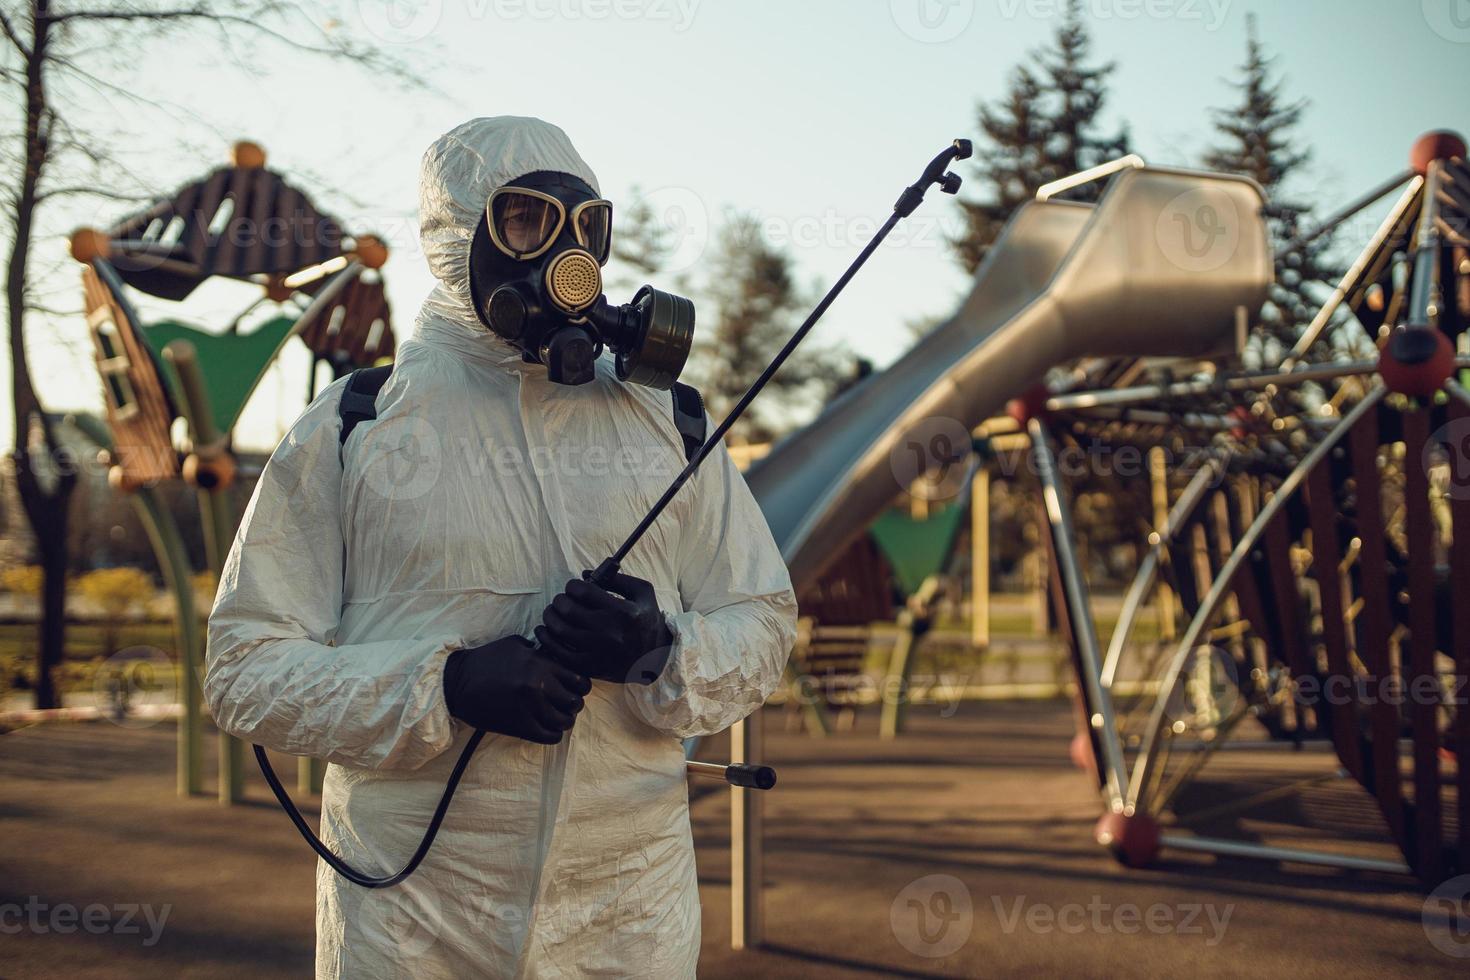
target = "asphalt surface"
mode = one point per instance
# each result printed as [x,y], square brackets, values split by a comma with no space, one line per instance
[961,849]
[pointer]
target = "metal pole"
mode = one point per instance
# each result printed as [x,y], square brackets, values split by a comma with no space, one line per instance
[1098,699]
[168,545]
[1355,272]
[1347,211]
[747,857]
[1201,482]
[1425,299]
[1148,754]
[173,562]
[980,559]
[1159,484]
[1246,381]
[216,524]
[1231,848]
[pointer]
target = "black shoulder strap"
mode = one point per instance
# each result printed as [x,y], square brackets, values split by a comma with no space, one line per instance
[689,417]
[360,404]
[360,398]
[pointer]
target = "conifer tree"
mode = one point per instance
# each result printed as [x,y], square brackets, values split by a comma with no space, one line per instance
[1046,126]
[1257,140]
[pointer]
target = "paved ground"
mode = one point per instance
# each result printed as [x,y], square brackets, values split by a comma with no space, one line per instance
[855,829]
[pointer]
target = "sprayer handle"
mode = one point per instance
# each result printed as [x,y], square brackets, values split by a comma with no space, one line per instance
[603,574]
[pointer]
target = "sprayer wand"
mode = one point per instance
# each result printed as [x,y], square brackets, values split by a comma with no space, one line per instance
[748,775]
[936,173]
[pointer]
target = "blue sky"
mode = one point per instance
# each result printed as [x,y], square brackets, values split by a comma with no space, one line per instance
[810,115]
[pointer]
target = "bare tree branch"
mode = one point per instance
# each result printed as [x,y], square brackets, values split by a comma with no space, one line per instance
[9,31]
[93,191]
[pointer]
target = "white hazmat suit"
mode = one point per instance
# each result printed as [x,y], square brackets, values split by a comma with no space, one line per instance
[452,520]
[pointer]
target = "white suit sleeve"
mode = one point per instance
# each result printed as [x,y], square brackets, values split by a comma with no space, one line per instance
[273,675]
[739,620]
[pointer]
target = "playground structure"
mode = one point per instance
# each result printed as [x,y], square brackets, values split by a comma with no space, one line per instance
[1307,514]
[242,222]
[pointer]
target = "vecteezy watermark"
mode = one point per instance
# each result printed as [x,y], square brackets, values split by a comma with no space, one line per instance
[927,461]
[944,689]
[136,685]
[1198,230]
[406,917]
[680,225]
[1450,19]
[933,450]
[407,21]
[932,916]
[1098,917]
[1209,13]
[833,229]
[120,919]
[932,21]
[1208,690]
[1449,447]
[1446,917]
[409,461]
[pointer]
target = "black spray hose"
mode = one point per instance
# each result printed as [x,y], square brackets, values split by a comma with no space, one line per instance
[737,774]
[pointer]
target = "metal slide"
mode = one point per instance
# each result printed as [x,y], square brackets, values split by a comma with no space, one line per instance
[1167,263]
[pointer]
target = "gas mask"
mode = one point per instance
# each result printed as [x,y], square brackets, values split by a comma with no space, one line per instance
[536,280]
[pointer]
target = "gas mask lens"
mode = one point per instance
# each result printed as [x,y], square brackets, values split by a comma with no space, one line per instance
[523,223]
[592,222]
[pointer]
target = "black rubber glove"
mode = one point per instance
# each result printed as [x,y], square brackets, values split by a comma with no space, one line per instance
[618,635]
[507,687]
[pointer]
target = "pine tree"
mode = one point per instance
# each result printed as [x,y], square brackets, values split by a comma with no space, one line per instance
[640,243]
[1045,127]
[754,305]
[1257,141]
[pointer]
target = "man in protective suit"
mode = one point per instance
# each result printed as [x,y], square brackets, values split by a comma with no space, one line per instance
[376,605]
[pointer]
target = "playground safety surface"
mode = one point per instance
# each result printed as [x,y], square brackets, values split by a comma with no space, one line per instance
[988,797]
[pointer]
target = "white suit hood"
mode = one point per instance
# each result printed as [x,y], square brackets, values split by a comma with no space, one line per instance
[451,520]
[456,178]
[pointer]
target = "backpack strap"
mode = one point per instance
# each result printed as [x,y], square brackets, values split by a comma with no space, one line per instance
[689,417]
[360,404]
[360,398]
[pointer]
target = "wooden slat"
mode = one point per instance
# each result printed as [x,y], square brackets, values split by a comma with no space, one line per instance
[195,239]
[1288,604]
[1420,677]
[1373,630]
[227,252]
[1460,617]
[1180,569]
[141,443]
[285,236]
[262,199]
[1326,560]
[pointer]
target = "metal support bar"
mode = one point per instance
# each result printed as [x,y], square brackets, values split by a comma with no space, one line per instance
[1246,381]
[1099,700]
[1231,848]
[1138,591]
[980,559]
[216,524]
[168,545]
[1055,187]
[1355,272]
[747,864]
[1154,733]
[1347,211]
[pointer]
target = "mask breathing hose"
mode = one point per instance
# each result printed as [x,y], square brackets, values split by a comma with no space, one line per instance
[757,777]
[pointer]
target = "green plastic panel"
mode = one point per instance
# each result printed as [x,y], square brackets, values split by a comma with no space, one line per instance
[232,364]
[916,549]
